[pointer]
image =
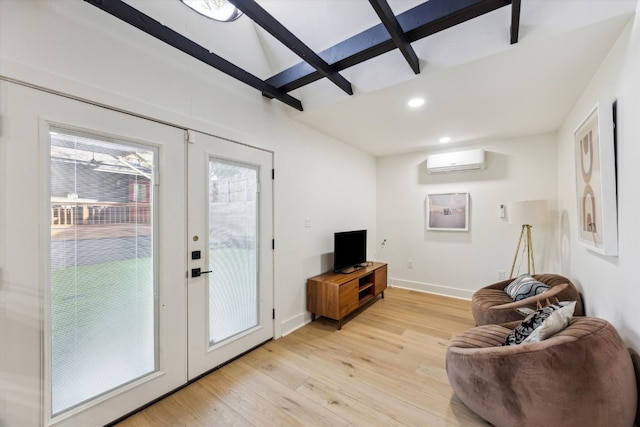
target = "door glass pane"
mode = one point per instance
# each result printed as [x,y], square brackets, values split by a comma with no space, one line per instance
[103,306]
[233,283]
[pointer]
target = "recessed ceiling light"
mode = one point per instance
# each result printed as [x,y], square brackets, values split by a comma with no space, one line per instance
[415,102]
[445,139]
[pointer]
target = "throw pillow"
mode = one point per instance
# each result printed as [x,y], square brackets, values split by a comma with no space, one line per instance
[535,320]
[557,321]
[525,286]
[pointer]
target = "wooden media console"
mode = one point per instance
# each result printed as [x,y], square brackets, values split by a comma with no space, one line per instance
[336,295]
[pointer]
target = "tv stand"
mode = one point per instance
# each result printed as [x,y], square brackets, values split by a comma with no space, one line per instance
[336,295]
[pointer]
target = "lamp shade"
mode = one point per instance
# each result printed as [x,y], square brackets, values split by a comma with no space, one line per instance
[528,212]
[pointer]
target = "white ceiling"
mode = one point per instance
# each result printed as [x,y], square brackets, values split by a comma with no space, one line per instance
[476,85]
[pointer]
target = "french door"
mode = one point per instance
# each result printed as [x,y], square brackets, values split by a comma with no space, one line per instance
[230,233]
[100,310]
[93,228]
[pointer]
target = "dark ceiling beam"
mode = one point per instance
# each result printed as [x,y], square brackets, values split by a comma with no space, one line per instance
[515,20]
[286,37]
[132,16]
[423,20]
[398,36]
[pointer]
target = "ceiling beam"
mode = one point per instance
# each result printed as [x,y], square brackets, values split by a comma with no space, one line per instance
[398,36]
[261,17]
[515,20]
[423,20]
[134,17]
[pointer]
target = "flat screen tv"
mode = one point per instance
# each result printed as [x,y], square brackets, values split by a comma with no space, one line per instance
[349,250]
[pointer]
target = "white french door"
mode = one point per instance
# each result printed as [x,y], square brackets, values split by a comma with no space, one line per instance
[93,286]
[100,309]
[230,231]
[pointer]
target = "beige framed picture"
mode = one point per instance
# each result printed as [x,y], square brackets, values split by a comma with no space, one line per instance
[448,212]
[596,181]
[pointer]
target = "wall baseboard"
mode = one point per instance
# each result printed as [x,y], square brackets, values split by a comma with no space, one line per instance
[431,289]
[296,322]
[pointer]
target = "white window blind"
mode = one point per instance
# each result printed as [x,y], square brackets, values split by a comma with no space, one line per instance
[102,281]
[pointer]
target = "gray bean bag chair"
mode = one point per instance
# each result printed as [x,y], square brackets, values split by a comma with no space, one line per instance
[492,304]
[581,376]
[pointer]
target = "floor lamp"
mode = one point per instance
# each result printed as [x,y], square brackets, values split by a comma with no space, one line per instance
[526,214]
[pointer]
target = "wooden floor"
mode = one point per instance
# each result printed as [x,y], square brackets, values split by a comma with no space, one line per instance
[386,367]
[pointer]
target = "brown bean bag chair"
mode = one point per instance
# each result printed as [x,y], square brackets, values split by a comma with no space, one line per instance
[492,305]
[581,376]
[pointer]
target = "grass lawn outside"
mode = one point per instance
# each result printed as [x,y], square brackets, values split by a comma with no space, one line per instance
[102,328]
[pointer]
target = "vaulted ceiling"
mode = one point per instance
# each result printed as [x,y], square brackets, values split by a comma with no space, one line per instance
[486,68]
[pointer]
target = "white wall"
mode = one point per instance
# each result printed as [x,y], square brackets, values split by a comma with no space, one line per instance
[458,263]
[609,284]
[333,186]
[75,48]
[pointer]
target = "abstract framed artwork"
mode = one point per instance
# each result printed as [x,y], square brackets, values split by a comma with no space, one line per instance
[448,212]
[596,181]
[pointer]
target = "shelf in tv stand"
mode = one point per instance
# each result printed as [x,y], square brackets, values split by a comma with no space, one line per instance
[366,299]
[365,287]
[336,295]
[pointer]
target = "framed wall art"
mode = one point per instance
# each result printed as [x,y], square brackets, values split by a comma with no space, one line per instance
[596,181]
[448,212]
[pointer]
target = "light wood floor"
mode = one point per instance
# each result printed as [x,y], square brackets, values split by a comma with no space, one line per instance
[386,367]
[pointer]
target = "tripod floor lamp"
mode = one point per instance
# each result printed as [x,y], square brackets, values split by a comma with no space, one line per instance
[526,214]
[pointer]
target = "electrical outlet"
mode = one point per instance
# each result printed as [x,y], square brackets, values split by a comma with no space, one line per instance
[502,275]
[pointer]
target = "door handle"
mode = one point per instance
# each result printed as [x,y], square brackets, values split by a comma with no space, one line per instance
[197,272]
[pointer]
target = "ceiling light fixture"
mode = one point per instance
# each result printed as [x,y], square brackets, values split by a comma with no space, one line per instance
[220,10]
[445,139]
[416,102]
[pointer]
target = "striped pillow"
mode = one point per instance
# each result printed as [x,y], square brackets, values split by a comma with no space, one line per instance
[525,286]
[542,323]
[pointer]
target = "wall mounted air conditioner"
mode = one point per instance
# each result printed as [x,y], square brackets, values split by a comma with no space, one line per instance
[458,161]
